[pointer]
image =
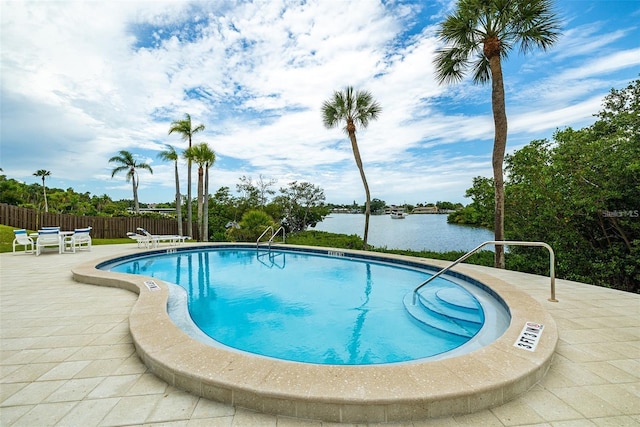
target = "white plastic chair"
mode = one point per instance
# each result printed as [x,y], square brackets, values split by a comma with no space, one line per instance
[23,239]
[156,239]
[140,239]
[80,239]
[48,238]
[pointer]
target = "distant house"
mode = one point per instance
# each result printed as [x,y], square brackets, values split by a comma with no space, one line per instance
[340,210]
[164,211]
[393,208]
[425,210]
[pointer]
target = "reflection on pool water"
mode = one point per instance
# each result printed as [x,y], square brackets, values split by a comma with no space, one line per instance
[324,309]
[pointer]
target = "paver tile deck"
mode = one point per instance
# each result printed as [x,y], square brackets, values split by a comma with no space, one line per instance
[67,359]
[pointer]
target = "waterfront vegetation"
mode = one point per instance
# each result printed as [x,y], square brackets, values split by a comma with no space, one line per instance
[306,238]
[580,193]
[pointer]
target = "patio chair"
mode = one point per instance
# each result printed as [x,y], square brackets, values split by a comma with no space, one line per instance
[172,239]
[80,239]
[142,240]
[48,238]
[23,239]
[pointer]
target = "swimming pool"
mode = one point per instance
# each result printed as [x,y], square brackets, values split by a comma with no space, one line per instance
[491,375]
[320,308]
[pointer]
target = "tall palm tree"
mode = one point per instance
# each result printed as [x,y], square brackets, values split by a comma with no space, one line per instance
[126,163]
[170,155]
[186,130]
[44,173]
[478,36]
[210,161]
[204,156]
[355,109]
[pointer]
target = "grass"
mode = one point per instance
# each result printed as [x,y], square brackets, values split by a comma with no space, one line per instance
[6,239]
[308,238]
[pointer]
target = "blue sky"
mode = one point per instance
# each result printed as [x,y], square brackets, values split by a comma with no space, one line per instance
[82,80]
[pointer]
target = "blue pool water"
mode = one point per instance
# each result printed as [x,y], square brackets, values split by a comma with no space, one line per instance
[314,308]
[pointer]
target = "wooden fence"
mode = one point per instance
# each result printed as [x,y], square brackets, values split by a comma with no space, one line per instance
[102,227]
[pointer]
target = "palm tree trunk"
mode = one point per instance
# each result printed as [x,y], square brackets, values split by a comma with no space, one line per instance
[367,207]
[178,207]
[499,147]
[136,206]
[205,227]
[44,188]
[200,196]
[189,207]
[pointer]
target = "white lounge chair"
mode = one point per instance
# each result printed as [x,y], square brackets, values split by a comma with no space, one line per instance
[23,239]
[80,239]
[142,240]
[172,239]
[48,238]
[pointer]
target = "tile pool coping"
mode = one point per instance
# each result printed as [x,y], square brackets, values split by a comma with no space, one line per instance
[487,377]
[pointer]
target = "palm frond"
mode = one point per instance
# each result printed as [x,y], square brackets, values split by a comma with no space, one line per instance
[168,154]
[527,23]
[450,64]
[481,71]
[350,105]
[118,170]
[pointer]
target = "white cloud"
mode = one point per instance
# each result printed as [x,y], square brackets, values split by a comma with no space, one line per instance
[83,80]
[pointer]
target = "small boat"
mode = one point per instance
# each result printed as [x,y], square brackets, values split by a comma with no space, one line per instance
[397,215]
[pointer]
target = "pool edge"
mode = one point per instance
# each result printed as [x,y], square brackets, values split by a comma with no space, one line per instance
[487,377]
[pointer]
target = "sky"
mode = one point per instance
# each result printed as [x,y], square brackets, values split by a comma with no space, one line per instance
[82,80]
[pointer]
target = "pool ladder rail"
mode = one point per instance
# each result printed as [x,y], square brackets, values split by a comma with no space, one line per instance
[552,274]
[274,234]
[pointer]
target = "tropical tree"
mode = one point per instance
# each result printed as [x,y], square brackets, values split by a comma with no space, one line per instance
[252,225]
[204,156]
[170,155]
[126,163]
[256,193]
[301,205]
[43,174]
[478,36]
[355,109]
[186,130]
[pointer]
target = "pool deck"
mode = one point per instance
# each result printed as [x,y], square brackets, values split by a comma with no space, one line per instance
[67,357]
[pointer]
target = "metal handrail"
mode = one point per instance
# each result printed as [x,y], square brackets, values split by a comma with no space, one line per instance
[276,233]
[273,234]
[262,235]
[552,273]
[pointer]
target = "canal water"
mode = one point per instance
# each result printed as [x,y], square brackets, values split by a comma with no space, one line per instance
[414,232]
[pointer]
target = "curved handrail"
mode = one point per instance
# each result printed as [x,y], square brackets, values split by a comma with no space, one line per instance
[552,273]
[263,233]
[276,233]
[273,234]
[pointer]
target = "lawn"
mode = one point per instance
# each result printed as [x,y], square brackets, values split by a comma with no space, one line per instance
[6,239]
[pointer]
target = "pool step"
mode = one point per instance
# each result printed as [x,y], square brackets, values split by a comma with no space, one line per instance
[446,308]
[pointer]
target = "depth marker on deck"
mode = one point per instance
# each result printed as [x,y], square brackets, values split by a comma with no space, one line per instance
[151,285]
[529,337]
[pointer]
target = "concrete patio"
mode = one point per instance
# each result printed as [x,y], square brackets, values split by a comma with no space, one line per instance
[67,357]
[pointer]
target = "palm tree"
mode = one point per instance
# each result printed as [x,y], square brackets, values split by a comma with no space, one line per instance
[44,173]
[210,161]
[477,36]
[184,128]
[356,109]
[127,163]
[204,157]
[170,155]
